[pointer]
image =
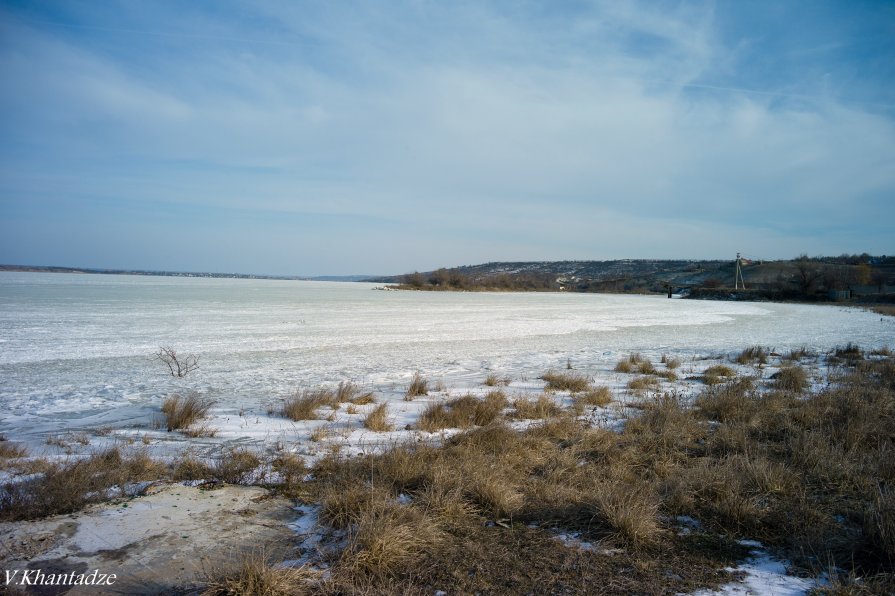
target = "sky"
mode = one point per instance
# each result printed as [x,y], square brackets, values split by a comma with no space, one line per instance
[336,138]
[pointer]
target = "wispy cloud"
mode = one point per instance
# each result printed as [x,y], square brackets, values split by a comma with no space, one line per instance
[421,134]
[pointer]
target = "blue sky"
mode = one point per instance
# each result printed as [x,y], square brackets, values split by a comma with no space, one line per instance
[383,137]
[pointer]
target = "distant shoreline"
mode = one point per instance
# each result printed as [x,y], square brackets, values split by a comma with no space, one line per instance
[150,273]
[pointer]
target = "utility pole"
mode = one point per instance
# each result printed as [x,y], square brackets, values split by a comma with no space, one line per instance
[738,283]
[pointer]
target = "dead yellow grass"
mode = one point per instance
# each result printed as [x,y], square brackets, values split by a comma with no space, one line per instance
[717,374]
[377,420]
[251,574]
[303,405]
[463,412]
[571,382]
[181,413]
[769,466]
[419,386]
[236,466]
[67,486]
[595,396]
[542,407]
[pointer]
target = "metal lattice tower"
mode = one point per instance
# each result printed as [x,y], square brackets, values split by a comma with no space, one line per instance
[738,283]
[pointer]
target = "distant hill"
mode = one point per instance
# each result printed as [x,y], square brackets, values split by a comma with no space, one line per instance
[801,278]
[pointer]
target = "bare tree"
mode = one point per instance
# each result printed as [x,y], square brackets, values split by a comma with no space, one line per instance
[178,365]
[807,274]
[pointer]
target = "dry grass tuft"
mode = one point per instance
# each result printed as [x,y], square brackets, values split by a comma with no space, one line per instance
[252,575]
[798,354]
[304,405]
[320,433]
[645,367]
[540,408]
[791,378]
[181,413]
[346,392]
[377,420]
[719,373]
[492,380]
[624,366]
[571,382]
[236,466]
[670,363]
[418,386]
[595,396]
[463,412]
[9,450]
[189,467]
[628,511]
[642,384]
[733,401]
[291,468]
[364,399]
[389,537]
[752,354]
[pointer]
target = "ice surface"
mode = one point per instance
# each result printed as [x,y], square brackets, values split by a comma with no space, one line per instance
[77,351]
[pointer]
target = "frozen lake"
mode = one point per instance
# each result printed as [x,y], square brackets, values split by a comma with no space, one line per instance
[79,350]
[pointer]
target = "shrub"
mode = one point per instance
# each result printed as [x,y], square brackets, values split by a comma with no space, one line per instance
[418,386]
[377,420]
[571,382]
[182,412]
[178,365]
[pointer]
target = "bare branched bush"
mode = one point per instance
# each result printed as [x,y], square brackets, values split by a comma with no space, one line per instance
[178,365]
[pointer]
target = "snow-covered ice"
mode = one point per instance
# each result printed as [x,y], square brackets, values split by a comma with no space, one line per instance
[77,352]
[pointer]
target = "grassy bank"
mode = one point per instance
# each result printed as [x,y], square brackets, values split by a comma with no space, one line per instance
[562,505]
